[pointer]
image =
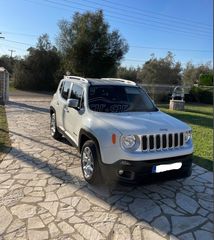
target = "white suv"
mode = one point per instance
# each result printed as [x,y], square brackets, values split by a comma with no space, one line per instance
[118,130]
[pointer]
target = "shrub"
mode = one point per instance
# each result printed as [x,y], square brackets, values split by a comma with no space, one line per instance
[206,80]
[202,95]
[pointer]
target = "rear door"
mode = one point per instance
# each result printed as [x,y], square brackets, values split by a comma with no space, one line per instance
[62,103]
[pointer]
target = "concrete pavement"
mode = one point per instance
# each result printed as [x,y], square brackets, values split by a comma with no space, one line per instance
[44,196]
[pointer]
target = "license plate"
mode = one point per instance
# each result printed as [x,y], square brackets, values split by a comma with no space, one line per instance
[166,167]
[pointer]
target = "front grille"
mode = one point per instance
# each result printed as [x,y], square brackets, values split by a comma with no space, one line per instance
[156,142]
[151,142]
[170,141]
[144,141]
[176,139]
[164,141]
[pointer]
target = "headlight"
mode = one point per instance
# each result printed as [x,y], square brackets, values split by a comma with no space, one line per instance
[130,142]
[187,136]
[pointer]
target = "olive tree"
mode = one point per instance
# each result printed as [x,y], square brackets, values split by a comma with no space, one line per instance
[90,49]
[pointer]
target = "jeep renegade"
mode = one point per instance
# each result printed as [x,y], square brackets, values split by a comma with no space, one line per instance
[118,130]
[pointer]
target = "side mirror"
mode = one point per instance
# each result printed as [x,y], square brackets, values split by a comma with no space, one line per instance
[73,103]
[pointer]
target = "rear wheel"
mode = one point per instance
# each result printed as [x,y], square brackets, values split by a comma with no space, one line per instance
[90,163]
[53,128]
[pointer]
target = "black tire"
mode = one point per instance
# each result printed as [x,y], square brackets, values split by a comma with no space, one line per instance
[91,172]
[187,172]
[53,127]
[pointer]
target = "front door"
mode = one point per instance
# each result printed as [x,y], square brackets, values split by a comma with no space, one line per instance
[73,116]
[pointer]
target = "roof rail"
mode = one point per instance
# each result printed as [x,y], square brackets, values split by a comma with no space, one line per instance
[120,80]
[76,77]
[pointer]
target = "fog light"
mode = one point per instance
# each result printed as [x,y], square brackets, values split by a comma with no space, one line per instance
[120,172]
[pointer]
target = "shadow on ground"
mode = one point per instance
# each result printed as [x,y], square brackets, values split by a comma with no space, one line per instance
[28,107]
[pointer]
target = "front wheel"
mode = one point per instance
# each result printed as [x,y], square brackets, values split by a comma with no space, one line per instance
[187,172]
[54,131]
[90,163]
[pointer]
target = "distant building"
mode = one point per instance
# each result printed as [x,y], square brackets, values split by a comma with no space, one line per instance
[4,85]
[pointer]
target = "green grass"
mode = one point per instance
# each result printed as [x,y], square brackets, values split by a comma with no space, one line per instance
[200,118]
[4,134]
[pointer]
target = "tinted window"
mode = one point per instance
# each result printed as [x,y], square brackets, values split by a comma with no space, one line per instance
[77,93]
[119,99]
[61,86]
[65,90]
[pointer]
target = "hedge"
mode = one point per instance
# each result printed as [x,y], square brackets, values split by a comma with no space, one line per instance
[202,95]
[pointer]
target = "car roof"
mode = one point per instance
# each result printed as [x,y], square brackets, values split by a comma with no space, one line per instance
[100,81]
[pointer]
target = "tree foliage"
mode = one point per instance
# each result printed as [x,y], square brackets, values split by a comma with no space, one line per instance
[89,48]
[161,71]
[191,73]
[8,63]
[206,79]
[128,73]
[37,71]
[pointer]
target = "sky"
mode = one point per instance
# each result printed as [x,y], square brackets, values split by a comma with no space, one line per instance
[184,27]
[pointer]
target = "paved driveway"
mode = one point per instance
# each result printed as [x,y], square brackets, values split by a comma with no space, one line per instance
[43,194]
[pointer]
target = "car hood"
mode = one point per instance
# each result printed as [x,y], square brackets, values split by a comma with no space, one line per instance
[142,122]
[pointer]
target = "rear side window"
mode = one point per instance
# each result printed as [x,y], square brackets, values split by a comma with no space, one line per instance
[61,86]
[65,90]
[77,93]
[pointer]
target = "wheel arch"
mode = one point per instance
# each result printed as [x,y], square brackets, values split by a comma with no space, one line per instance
[52,110]
[84,136]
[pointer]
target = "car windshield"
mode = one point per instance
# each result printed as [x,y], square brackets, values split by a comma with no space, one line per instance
[107,98]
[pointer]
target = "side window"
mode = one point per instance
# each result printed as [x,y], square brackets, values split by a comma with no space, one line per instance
[61,86]
[77,93]
[65,90]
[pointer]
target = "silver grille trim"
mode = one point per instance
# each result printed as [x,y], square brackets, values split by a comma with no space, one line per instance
[163,141]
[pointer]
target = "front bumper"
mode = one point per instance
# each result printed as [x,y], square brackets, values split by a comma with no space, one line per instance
[138,170]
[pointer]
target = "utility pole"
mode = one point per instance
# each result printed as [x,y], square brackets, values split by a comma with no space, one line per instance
[1,37]
[11,52]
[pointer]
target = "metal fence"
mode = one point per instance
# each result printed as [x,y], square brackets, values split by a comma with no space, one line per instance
[4,85]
